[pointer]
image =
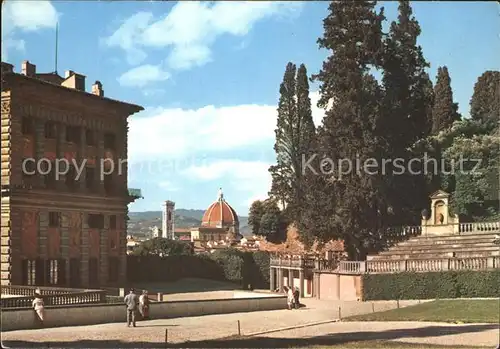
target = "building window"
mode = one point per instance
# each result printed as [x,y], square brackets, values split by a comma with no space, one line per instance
[109,141]
[108,184]
[29,171]
[73,134]
[95,221]
[27,126]
[70,178]
[53,271]
[54,219]
[50,130]
[114,267]
[112,222]
[50,176]
[29,272]
[90,137]
[90,178]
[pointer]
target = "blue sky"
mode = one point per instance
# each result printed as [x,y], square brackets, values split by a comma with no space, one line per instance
[208,75]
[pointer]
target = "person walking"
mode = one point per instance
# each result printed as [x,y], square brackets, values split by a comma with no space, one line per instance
[39,307]
[296,296]
[131,301]
[144,305]
[289,294]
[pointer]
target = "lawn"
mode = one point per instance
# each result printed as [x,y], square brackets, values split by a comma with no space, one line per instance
[263,342]
[456,311]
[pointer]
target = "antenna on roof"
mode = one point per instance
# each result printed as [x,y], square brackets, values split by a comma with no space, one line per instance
[57,39]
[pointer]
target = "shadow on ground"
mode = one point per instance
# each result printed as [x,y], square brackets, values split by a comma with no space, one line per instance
[187,285]
[263,342]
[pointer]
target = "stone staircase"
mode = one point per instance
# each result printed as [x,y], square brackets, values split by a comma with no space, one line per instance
[463,245]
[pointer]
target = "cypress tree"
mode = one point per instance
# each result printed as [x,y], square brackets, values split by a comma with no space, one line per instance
[408,103]
[351,130]
[445,111]
[294,135]
[485,102]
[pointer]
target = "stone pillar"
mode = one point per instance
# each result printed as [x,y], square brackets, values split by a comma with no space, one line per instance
[99,156]
[43,223]
[61,146]
[280,279]
[65,241]
[121,221]
[39,149]
[301,282]
[104,252]
[84,252]
[82,156]
[271,279]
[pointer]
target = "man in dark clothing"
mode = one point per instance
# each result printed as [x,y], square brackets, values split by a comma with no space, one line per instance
[296,295]
[131,301]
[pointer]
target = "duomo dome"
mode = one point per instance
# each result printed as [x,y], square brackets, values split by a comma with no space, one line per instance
[221,215]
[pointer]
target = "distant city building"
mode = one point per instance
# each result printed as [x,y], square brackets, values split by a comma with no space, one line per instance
[168,216]
[65,229]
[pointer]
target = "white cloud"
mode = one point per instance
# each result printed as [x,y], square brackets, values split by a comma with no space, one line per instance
[191,28]
[252,178]
[129,34]
[173,132]
[169,186]
[27,16]
[143,75]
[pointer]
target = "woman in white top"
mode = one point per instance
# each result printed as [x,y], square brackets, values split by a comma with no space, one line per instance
[39,306]
[144,305]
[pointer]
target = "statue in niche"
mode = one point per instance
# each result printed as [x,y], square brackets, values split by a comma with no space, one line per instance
[441,218]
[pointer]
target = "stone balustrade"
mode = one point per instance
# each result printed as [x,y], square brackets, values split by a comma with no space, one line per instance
[292,262]
[51,295]
[21,290]
[412,265]
[478,227]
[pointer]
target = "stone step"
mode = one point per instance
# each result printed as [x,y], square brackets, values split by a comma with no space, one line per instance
[436,255]
[446,241]
[433,239]
[490,247]
[442,246]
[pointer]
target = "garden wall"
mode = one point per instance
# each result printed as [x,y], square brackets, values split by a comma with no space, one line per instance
[242,268]
[435,285]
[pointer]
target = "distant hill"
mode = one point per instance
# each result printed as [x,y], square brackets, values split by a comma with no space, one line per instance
[140,223]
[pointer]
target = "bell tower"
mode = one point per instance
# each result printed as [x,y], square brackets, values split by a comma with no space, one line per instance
[167,226]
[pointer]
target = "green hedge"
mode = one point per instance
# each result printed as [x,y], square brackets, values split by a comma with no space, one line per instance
[446,284]
[243,268]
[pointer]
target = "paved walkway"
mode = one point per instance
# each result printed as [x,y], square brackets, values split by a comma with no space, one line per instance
[152,333]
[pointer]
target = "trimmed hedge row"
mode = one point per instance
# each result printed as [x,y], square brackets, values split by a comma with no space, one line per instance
[244,268]
[435,285]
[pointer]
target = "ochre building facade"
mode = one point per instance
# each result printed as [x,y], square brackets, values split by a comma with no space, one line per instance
[66,230]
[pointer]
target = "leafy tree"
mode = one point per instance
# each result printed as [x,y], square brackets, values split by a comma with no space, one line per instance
[294,134]
[474,189]
[445,111]
[266,219]
[352,129]
[163,247]
[255,216]
[485,102]
[271,224]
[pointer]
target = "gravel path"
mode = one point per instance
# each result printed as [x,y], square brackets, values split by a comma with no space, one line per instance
[152,333]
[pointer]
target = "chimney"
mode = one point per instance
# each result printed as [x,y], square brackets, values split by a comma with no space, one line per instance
[74,80]
[97,89]
[28,69]
[7,68]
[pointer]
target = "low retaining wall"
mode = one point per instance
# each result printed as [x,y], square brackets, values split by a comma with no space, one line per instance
[79,315]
